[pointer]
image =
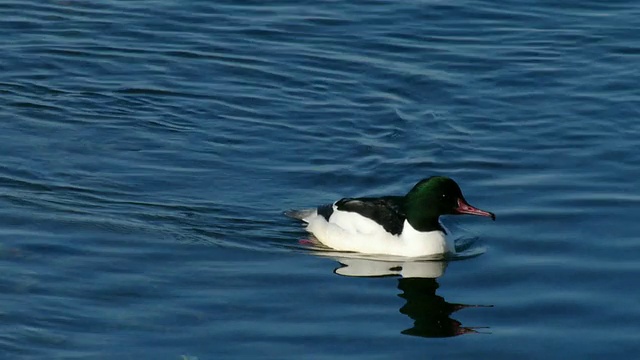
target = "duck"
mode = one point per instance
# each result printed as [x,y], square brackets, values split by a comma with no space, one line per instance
[405,226]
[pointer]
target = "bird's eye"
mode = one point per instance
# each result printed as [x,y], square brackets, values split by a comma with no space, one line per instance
[444,196]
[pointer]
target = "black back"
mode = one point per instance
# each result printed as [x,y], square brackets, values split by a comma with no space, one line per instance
[386,211]
[326,211]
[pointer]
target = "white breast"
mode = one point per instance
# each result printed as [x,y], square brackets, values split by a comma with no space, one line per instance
[425,243]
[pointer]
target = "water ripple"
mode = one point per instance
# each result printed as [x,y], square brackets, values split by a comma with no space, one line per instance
[148,150]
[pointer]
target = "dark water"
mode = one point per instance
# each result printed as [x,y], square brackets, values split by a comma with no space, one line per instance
[148,148]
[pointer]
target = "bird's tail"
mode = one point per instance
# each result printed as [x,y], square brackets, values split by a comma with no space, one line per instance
[300,214]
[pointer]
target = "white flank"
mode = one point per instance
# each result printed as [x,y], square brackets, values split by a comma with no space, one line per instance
[350,231]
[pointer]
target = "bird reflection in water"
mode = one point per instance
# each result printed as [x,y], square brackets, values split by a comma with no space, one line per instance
[431,313]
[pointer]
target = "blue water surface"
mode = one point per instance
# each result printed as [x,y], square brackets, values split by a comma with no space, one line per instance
[148,149]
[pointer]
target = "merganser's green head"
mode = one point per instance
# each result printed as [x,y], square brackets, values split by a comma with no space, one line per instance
[435,196]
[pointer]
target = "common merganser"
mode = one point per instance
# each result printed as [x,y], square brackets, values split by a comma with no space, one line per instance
[391,225]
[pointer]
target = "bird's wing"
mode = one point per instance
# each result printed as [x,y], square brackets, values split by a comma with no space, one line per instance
[386,211]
